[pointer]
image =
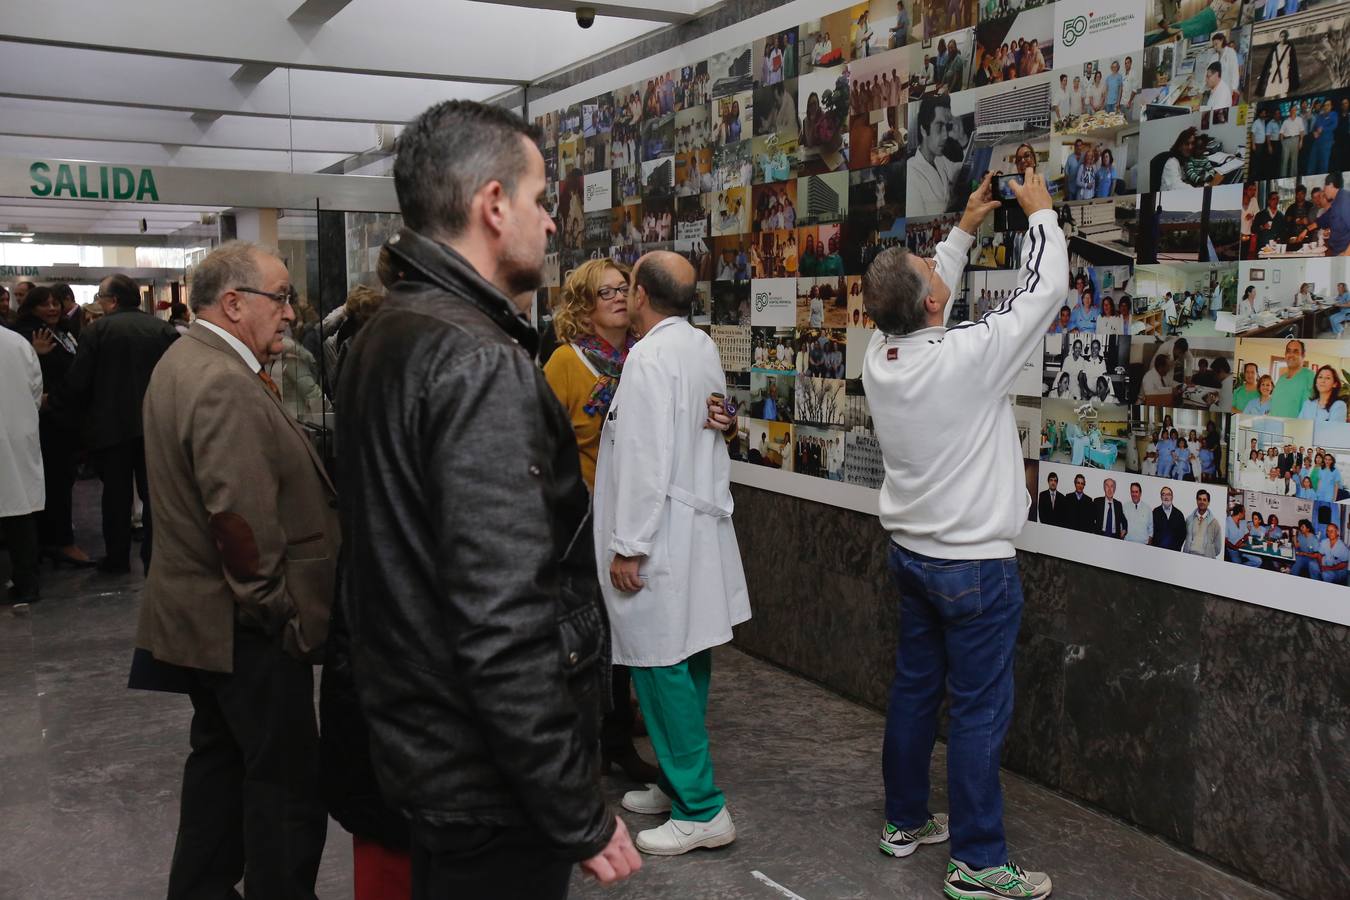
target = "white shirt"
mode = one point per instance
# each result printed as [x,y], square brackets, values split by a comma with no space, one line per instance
[1228,62]
[1292,128]
[1156,384]
[235,344]
[663,492]
[929,185]
[22,490]
[1171,175]
[956,381]
[1138,521]
[1220,97]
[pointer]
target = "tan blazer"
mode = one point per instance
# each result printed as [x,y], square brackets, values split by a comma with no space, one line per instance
[245,516]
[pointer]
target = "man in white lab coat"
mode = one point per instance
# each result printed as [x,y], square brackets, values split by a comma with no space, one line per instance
[663,533]
[22,490]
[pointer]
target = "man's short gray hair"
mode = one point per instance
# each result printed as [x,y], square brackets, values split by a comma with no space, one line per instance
[232,265]
[893,293]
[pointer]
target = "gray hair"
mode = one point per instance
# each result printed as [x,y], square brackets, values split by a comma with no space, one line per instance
[232,265]
[893,293]
[448,153]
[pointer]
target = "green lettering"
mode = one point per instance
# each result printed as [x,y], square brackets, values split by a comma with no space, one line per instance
[103,182]
[124,183]
[146,189]
[42,185]
[85,193]
[65,181]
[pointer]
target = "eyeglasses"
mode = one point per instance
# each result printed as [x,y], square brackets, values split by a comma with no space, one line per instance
[609,293]
[284,297]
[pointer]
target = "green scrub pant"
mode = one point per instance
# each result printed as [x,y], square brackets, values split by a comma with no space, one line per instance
[674,702]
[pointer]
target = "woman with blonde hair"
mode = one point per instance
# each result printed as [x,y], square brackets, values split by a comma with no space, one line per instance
[590,320]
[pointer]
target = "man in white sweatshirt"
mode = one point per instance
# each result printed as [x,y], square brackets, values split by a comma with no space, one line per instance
[953,500]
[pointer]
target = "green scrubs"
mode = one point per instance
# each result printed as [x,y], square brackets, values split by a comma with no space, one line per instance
[674,702]
[1290,392]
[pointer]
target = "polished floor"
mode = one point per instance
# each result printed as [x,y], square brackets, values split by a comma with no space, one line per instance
[89,784]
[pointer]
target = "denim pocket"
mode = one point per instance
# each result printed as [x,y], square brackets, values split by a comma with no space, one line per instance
[954,588]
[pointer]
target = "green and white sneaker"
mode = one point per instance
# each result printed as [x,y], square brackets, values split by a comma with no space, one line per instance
[994,883]
[895,842]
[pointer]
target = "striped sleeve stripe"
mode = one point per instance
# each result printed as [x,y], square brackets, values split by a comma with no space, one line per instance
[1034,277]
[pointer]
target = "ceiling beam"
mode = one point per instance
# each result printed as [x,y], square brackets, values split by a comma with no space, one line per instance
[669,14]
[316,12]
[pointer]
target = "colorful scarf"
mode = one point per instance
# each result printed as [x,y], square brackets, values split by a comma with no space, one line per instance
[608,361]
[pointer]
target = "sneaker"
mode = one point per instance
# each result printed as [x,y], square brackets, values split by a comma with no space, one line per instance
[651,802]
[895,842]
[677,836]
[994,883]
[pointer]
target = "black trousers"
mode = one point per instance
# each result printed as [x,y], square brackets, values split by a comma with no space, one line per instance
[20,534]
[251,804]
[616,732]
[477,861]
[122,469]
[58,473]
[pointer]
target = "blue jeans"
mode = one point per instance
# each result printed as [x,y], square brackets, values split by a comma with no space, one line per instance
[1337,577]
[958,632]
[1246,559]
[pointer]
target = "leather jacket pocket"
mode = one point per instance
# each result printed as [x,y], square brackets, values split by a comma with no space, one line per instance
[585,659]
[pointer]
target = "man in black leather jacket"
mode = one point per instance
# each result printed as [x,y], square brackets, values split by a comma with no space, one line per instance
[478,638]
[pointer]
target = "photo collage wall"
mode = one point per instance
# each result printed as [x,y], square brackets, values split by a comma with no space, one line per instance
[1190,394]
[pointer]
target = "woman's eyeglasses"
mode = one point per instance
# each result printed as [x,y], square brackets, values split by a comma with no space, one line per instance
[609,293]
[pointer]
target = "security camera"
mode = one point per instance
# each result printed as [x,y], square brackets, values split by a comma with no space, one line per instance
[585,16]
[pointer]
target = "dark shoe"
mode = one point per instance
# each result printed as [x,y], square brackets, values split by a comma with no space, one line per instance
[137,534]
[108,567]
[630,763]
[60,559]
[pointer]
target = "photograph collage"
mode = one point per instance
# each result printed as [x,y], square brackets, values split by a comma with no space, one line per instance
[1190,393]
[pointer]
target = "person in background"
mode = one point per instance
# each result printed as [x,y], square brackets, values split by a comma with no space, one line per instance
[1323,134]
[1334,218]
[1106,175]
[1293,135]
[1334,557]
[1260,404]
[21,292]
[951,547]
[1236,536]
[1050,504]
[1295,384]
[1169,525]
[591,322]
[1307,552]
[1204,534]
[22,490]
[1108,513]
[1249,389]
[1342,301]
[235,612]
[663,532]
[1138,517]
[72,316]
[1325,404]
[105,387]
[41,321]
[179,317]
[476,644]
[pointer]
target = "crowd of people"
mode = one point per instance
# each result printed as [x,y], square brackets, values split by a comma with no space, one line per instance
[1301,550]
[1007,61]
[1092,92]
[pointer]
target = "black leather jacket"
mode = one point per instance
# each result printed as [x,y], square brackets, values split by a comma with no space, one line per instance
[479,642]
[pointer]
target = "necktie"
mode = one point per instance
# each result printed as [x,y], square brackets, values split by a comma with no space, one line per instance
[1110,508]
[271,385]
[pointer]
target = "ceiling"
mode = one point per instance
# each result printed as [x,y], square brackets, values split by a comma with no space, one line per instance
[279,85]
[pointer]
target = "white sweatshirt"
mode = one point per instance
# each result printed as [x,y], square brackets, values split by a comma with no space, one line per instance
[955,486]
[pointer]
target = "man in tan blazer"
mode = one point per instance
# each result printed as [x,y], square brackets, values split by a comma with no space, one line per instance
[237,603]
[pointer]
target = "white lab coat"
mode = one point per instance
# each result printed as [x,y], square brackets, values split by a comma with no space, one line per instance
[663,491]
[21,487]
